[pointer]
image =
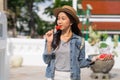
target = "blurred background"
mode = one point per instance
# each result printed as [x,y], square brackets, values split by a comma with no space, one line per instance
[29,20]
[32,18]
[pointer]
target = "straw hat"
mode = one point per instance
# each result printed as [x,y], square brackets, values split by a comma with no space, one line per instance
[68,9]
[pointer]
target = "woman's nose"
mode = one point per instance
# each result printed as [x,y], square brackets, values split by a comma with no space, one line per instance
[59,22]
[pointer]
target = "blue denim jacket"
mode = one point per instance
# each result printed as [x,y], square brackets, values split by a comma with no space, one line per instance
[77,59]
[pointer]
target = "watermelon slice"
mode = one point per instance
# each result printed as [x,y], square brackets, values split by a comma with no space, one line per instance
[105,56]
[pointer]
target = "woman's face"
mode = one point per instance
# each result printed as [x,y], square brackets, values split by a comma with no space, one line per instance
[63,21]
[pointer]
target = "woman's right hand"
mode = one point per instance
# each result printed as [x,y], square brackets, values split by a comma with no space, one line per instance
[49,36]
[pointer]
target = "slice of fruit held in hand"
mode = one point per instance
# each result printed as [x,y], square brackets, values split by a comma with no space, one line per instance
[58,27]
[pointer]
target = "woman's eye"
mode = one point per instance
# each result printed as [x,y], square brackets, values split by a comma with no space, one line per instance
[63,18]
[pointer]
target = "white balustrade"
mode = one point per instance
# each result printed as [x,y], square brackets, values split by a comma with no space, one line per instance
[32,50]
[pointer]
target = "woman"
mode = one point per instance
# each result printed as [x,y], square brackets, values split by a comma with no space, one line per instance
[66,55]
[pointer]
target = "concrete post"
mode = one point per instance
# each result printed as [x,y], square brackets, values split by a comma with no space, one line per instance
[4,65]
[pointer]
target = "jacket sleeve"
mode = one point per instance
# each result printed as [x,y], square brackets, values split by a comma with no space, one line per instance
[47,57]
[83,62]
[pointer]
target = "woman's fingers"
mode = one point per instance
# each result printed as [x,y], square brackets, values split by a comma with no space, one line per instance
[49,33]
[49,36]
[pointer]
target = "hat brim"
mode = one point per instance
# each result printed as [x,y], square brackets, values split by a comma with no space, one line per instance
[58,10]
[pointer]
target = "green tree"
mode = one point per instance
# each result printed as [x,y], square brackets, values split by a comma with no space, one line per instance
[14,13]
[22,12]
[55,4]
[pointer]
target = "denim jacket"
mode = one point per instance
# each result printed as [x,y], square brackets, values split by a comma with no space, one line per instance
[77,58]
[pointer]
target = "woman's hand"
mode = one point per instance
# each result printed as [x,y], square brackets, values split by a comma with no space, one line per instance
[49,36]
[94,58]
[103,57]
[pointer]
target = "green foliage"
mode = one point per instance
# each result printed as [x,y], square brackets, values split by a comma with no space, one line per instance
[103,45]
[104,36]
[116,40]
[22,11]
[43,26]
[57,3]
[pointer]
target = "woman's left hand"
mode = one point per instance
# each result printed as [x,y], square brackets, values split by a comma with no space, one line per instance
[103,57]
[95,58]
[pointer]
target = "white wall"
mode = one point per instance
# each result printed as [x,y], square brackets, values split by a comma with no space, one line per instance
[32,49]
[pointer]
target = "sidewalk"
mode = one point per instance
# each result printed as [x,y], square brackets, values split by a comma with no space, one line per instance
[38,73]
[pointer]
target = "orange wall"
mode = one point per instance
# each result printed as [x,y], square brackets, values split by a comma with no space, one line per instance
[103,6]
[104,26]
[107,26]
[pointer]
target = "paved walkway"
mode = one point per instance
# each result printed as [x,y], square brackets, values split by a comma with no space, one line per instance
[38,73]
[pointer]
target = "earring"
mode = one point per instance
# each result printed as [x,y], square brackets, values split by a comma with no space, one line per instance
[71,24]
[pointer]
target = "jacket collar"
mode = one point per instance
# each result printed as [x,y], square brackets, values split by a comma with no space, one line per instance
[75,36]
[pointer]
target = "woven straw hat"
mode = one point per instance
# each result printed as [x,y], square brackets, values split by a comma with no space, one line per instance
[68,9]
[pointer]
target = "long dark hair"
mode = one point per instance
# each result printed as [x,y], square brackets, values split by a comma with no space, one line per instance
[74,28]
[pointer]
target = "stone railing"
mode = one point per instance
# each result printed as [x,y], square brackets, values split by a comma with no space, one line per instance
[31,50]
